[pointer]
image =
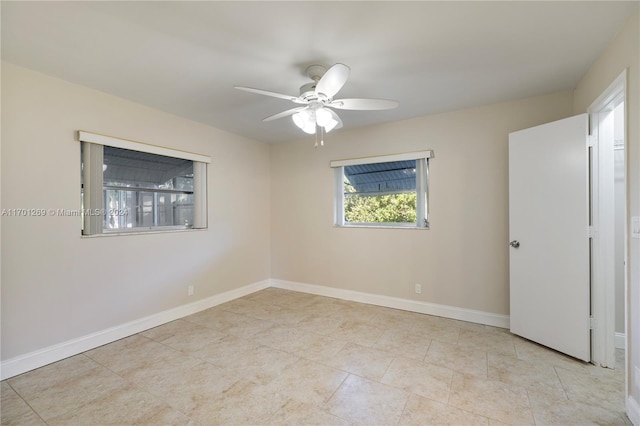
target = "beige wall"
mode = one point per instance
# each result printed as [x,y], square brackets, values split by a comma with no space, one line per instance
[623,53]
[462,261]
[58,286]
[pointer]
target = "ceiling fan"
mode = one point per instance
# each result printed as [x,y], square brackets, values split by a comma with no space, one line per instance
[316,99]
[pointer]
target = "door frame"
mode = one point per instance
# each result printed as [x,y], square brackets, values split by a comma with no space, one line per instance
[602,211]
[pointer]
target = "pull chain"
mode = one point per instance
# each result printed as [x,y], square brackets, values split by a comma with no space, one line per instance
[321,130]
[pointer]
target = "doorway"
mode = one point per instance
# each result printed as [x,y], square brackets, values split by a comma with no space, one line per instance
[608,222]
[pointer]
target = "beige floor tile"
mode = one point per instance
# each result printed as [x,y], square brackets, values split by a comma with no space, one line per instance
[357,332]
[499,343]
[305,301]
[228,322]
[395,319]
[169,329]
[530,351]
[184,336]
[462,359]
[269,295]
[209,317]
[14,410]
[530,375]
[192,388]
[353,311]
[427,380]
[308,381]
[155,372]
[605,392]
[59,388]
[296,413]
[225,351]
[463,325]
[244,403]
[126,356]
[121,406]
[319,324]
[403,343]
[250,308]
[261,365]
[549,410]
[25,419]
[247,327]
[366,402]
[494,422]
[422,411]
[35,382]
[323,306]
[169,379]
[434,329]
[291,316]
[496,400]
[316,347]
[279,336]
[361,360]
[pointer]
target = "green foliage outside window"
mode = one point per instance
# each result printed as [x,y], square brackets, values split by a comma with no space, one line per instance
[389,208]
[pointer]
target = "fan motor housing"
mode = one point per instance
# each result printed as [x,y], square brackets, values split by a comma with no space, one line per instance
[308,91]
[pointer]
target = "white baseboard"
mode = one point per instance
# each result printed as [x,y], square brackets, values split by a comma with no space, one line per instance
[452,312]
[23,363]
[621,341]
[633,411]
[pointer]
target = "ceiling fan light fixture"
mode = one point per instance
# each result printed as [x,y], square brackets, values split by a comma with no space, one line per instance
[330,125]
[310,128]
[299,119]
[323,117]
[306,121]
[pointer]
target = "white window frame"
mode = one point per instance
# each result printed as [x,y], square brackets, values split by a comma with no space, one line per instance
[93,185]
[422,188]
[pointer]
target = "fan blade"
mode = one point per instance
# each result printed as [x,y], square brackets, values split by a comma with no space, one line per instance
[272,94]
[363,104]
[333,80]
[284,113]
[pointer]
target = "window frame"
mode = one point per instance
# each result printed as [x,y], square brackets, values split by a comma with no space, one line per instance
[93,191]
[422,190]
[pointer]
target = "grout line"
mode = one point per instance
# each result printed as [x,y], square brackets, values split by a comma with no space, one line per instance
[404,408]
[566,395]
[25,401]
[324,403]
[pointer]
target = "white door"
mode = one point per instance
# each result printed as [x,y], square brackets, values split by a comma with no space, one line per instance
[548,230]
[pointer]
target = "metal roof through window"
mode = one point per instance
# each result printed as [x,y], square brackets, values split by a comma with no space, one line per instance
[382,178]
[141,169]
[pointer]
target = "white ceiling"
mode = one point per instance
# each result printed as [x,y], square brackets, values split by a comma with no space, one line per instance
[185,57]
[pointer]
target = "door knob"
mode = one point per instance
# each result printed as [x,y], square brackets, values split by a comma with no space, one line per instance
[515,243]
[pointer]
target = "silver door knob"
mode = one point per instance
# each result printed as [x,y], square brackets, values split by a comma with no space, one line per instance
[515,243]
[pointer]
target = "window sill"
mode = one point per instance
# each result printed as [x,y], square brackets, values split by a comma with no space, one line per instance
[166,231]
[415,228]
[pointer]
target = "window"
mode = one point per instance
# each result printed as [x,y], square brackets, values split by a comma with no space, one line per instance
[386,191]
[129,186]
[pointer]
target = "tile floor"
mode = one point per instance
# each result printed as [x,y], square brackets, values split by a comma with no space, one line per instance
[288,358]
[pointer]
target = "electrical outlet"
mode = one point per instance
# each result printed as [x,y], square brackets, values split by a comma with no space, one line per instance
[190,290]
[418,289]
